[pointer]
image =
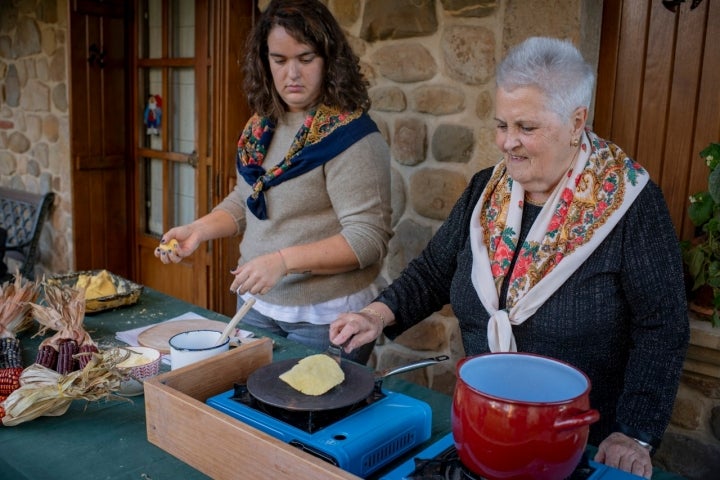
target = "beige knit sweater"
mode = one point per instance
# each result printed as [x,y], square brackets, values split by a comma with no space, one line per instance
[349,194]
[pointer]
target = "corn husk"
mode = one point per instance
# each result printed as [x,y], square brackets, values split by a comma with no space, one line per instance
[63,313]
[16,299]
[44,392]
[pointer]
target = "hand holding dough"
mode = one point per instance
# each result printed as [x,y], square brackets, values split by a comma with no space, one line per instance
[169,246]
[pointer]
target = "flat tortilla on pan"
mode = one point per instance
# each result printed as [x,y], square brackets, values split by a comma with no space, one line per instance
[314,375]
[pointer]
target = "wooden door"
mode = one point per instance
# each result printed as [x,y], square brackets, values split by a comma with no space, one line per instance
[233,21]
[658,95]
[100,152]
[188,59]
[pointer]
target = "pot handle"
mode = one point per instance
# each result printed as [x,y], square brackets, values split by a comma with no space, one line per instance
[412,366]
[578,419]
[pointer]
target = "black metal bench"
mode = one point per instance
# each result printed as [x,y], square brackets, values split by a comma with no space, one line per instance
[22,215]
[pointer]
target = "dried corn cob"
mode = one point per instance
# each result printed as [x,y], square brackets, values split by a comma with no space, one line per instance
[85,354]
[47,356]
[9,380]
[66,363]
[10,353]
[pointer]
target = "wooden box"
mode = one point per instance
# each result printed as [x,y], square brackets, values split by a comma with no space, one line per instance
[179,422]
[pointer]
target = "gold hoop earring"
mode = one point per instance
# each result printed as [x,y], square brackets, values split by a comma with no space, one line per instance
[575,142]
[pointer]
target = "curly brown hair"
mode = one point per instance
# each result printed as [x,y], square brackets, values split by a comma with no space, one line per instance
[309,22]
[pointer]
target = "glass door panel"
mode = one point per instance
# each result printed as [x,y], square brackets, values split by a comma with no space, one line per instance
[184,193]
[150,85]
[154,188]
[150,35]
[169,180]
[182,84]
[182,28]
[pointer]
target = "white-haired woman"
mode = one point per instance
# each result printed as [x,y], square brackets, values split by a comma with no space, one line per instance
[565,248]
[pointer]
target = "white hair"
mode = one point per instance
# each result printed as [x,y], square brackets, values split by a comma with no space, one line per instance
[555,67]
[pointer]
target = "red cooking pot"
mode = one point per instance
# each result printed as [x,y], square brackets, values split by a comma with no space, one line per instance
[520,416]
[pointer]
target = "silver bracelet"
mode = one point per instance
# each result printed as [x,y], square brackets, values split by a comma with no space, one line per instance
[645,445]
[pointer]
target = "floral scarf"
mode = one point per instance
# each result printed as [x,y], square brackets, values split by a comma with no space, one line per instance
[582,210]
[325,133]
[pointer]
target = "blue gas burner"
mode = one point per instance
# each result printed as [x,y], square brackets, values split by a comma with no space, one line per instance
[440,460]
[360,440]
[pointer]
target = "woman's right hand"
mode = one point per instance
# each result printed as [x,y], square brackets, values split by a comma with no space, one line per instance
[187,242]
[355,329]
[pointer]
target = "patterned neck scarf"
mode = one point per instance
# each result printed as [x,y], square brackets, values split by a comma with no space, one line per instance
[325,133]
[582,210]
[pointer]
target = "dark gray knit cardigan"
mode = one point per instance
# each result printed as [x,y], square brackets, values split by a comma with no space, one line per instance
[621,317]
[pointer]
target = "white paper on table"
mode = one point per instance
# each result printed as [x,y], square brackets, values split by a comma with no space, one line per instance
[131,336]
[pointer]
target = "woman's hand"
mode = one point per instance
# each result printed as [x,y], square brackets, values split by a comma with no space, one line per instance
[187,242]
[620,451]
[353,330]
[259,275]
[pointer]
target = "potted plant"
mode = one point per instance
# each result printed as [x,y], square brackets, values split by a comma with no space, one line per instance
[702,256]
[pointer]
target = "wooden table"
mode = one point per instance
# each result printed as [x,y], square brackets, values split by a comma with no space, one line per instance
[107,440]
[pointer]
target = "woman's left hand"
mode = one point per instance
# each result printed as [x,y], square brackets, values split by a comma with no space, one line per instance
[259,275]
[620,451]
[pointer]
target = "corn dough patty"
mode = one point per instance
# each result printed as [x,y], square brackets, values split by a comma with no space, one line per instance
[314,375]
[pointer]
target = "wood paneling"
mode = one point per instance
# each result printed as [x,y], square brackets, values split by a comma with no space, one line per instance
[99,136]
[657,93]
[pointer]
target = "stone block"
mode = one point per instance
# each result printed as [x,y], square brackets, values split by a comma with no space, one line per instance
[484,105]
[346,12]
[525,19]
[409,240]
[433,191]
[708,386]
[409,141]
[397,196]
[438,99]
[689,456]
[35,97]
[51,128]
[396,19]
[469,8]
[405,63]
[687,411]
[12,86]
[388,99]
[27,37]
[469,53]
[8,163]
[430,334]
[18,143]
[452,143]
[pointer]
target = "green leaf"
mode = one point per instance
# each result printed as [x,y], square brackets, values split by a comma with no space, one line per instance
[714,185]
[695,261]
[701,208]
[713,152]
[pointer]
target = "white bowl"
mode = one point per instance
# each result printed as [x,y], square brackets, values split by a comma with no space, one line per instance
[195,345]
[132,383]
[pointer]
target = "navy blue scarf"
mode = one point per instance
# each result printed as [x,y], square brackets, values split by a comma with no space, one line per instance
[325,134]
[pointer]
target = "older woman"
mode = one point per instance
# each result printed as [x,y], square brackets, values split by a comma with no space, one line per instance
[565,248]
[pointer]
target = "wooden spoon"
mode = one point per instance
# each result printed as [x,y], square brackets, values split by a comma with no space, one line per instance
[238,316]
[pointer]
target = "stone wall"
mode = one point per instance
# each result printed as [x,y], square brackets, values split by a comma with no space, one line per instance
[34,116]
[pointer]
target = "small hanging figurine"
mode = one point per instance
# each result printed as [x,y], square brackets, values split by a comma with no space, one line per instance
[153,114]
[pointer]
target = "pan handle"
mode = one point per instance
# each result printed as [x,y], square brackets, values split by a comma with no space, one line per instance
[411,366]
